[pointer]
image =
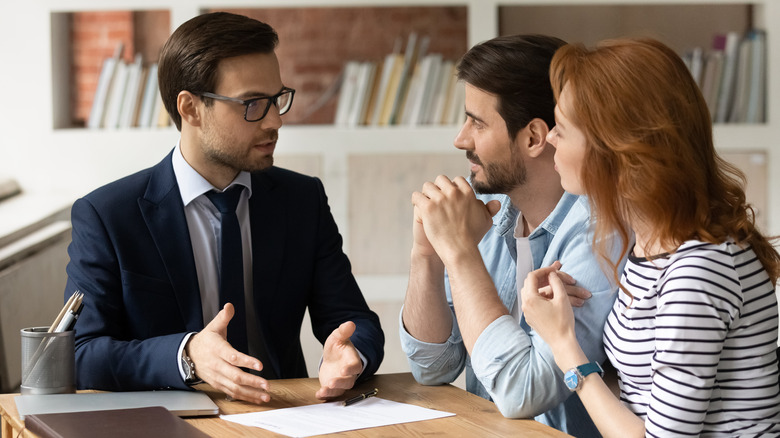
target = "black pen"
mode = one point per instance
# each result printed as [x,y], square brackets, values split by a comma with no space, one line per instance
[360,397]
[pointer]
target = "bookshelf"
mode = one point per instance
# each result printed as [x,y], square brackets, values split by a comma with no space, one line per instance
[369,172]
[80,159]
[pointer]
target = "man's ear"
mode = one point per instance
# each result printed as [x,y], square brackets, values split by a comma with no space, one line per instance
[190,108]
[537,137]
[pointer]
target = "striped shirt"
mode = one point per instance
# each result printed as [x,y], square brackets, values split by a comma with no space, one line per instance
[695,349]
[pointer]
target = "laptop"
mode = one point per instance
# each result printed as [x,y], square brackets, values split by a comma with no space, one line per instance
[181,403]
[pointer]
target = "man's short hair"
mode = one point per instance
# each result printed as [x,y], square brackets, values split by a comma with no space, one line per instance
[515,68]
[190,57]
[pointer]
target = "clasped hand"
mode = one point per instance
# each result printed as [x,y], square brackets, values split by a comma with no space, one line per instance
[448,217]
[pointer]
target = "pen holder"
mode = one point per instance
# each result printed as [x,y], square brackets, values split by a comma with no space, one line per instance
[48,361]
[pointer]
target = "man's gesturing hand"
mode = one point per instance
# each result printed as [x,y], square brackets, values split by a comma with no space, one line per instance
[341,364]
[219,364]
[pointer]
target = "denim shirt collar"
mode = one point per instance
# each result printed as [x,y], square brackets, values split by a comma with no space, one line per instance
[507,217]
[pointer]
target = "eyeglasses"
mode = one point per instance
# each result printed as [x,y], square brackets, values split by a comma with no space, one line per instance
[257,108]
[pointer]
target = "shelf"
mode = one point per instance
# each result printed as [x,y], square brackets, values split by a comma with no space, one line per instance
[311,65]
[296,139]
[77,160]
[317,139]
[312,75]
[745,137]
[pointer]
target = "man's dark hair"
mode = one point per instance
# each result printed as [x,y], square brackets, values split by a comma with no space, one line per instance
[189,59]
[516,69]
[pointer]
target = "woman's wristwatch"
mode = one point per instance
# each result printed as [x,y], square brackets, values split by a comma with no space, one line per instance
[574,377]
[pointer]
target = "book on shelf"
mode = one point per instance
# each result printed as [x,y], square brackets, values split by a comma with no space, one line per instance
[390,92]
[127,95]
[421,96]
[449,102]
[694,60]
[349,77]
[413,52]
[365,79]
[115,97]
[432,88]
[456,114]
[727,86]
[732,76]
[139,97]
[372,93]
[149,98]
[441,98]
[756,105]
[713,71]
[413,96]
[130,98]
[738,110]
[356,88]
[382,91]
[105,80]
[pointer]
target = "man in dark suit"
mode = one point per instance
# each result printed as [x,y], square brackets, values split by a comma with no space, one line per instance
[148,250]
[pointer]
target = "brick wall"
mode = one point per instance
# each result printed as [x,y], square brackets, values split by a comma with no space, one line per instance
[314,45]
[94,37]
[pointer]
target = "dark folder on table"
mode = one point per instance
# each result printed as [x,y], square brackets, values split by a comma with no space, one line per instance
[114,423]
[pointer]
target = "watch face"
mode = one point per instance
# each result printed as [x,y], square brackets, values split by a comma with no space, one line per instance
[571,379]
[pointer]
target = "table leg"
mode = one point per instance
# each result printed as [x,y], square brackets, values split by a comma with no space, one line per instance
[5,428]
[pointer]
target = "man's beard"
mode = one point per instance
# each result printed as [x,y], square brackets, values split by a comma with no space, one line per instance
[499,177]
[219,151]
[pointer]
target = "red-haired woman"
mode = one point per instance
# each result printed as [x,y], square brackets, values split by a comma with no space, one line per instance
[693,333]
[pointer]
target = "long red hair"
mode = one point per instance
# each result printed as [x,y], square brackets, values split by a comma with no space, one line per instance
[649,152]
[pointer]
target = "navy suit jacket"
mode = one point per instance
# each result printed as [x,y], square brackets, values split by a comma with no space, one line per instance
[131,256]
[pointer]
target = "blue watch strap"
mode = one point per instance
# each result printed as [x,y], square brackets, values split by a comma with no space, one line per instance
[590,368]
[574,377]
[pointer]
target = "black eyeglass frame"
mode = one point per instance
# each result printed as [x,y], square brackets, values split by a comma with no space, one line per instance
[246,102]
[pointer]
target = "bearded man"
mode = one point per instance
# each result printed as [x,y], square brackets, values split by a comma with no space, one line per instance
[464,312]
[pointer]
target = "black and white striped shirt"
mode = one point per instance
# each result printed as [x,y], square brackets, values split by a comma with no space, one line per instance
[695,349]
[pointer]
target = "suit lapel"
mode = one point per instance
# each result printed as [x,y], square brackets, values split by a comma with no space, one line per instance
[163,212]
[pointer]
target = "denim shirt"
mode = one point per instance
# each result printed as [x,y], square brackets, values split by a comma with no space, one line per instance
[511,364]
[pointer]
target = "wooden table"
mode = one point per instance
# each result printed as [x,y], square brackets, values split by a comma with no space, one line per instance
[475,416]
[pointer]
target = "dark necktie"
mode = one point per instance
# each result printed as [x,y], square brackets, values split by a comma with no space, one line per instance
[231,264]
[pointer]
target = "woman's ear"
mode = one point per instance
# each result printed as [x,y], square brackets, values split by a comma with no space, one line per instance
[190,108]
[537,137]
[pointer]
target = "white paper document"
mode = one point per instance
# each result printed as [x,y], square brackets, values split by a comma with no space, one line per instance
[333,417]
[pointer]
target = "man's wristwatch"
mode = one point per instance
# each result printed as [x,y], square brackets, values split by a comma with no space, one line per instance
[190,378]
[574,377]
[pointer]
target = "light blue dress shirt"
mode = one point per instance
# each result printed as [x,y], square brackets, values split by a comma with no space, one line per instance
[511,364]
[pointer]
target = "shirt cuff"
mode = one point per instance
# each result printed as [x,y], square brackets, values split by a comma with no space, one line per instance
[425,353]
[501,341]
